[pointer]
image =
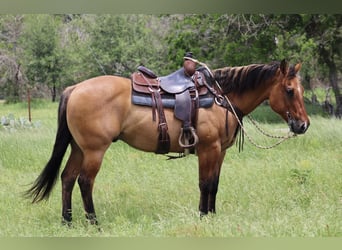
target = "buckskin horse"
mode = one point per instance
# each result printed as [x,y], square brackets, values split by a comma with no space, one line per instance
[98,111]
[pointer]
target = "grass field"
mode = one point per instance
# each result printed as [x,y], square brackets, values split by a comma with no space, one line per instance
[292,190]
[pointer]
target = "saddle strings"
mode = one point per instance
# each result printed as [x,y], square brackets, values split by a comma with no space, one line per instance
[282,138]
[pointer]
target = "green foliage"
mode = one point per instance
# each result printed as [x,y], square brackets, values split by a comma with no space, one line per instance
[120,43]
[39,41]
[298,49]
[10,71]
[43,60]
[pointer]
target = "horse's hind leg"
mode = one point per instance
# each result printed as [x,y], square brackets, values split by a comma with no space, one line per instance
[69,176]
[90,167]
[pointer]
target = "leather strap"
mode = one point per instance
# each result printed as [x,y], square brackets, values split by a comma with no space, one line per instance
[163,138]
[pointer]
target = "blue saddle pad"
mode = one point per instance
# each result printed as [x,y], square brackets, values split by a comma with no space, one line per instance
[168,101]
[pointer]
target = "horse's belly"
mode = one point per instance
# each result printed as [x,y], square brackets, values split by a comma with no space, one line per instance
[141,131]
[148,141]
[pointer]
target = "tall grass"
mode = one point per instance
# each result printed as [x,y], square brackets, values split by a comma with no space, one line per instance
[294,189]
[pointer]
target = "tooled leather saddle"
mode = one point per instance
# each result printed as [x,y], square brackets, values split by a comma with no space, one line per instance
[178,91]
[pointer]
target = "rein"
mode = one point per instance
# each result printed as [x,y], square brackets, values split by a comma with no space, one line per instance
[219,100]
[282,138]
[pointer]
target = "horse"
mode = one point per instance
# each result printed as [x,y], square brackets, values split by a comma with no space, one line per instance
[98,111]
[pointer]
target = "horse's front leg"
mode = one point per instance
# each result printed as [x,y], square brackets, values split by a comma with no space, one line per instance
[214,187]
[210,161]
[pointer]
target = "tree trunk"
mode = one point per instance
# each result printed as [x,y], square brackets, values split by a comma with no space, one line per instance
[333,79]
[53,93]
[334,84]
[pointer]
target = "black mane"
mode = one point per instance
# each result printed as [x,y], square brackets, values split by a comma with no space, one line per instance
[243,78]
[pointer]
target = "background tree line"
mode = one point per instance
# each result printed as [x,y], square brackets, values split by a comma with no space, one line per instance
[45,53]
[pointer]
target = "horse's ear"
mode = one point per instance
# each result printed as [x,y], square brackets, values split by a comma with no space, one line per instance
[298,67]
[283,67]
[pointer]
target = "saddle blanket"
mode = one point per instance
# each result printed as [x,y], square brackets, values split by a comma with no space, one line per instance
[169,100]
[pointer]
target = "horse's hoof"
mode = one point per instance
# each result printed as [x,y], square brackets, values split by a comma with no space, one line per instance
[67,223]
[91,218]
[202,214]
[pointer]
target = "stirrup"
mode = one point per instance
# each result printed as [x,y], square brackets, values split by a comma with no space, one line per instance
[182,138]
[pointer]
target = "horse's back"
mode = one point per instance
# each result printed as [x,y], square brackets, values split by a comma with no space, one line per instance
[105,85]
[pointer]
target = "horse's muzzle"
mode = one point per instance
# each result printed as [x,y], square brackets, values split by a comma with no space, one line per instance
[297,126]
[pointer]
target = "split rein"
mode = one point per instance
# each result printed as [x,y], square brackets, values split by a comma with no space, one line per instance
[219,101]
[281,138]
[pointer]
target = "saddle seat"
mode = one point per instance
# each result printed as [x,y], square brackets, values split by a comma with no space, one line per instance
[176,82]
[177,91]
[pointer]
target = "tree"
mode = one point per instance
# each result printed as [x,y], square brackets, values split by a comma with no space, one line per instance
[326,30]
[120,43]
[222,40]
[42,58]
[11,75]
[74,40]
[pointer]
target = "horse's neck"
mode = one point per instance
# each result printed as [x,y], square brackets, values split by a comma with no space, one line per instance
[248,101]
[248,86]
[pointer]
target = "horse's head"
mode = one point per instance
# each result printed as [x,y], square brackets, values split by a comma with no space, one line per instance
[286,98]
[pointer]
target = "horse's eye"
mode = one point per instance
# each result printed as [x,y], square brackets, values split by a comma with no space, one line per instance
[290,92]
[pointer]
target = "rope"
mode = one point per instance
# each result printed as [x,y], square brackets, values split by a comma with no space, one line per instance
[282,138]
[255,123]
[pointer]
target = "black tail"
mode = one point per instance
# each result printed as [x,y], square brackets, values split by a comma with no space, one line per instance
[43,185]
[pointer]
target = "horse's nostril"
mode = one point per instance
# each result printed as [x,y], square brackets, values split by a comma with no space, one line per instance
[304,127]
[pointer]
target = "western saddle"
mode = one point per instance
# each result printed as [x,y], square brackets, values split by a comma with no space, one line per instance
[183,91]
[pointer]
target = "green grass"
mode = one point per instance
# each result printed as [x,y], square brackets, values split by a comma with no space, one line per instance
[294,189]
